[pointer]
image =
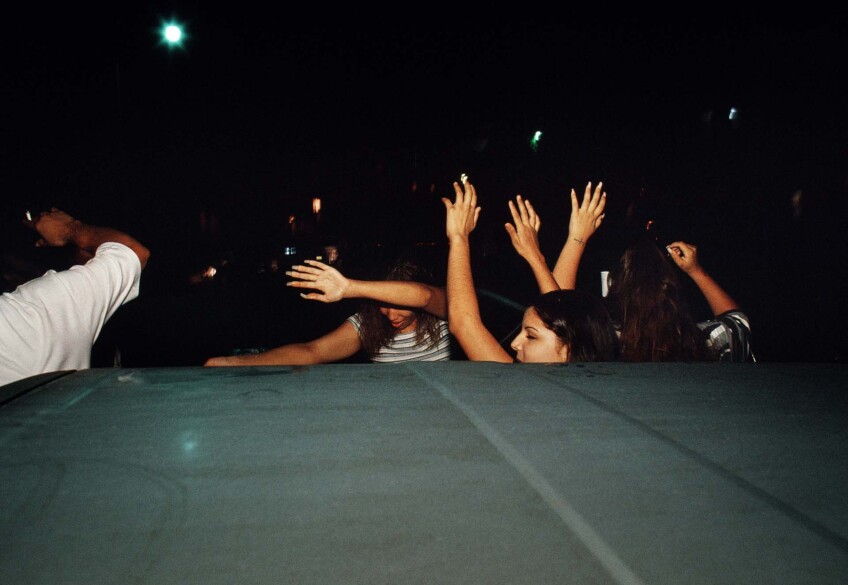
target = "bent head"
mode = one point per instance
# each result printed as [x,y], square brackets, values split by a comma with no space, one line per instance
[401,319]
[381,322]
[566,326]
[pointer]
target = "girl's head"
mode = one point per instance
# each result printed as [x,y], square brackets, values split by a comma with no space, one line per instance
[381,322]
[566,326]
[648,301]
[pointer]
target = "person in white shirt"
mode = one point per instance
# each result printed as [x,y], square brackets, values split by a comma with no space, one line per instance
[51,322]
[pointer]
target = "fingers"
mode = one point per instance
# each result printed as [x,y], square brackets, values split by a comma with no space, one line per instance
[516,216]
[315,268]
[600,199]
[599,220]
[314,297]
[674,251]
[459,196]
[535,220]
[317,264]
[587,196]
[522,210]
[682,247]
[575,206]
[470,195]
[300,284]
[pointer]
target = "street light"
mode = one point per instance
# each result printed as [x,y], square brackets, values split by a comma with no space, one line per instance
[173,34]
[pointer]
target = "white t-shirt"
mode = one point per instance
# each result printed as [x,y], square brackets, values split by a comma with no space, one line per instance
[404,348]
[50,323]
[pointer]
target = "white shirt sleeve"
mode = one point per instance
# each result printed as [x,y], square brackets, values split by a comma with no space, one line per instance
[50,323]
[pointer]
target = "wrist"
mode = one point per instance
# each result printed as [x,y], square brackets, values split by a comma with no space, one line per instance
[76,233]
[352,288]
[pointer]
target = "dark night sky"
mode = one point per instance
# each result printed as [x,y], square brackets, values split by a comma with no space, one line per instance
[261,108]
[261,111]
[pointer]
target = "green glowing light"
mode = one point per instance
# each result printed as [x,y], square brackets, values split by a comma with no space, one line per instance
[534,142]
[173,34]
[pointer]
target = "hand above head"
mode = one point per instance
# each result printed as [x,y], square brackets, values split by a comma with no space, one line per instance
[55,227]
[586,217]
[525,233]
[317,275]
[463,212]
[685,256]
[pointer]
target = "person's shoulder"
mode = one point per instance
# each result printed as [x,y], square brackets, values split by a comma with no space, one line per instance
[106,247]
[118,251]
[728,336]
[355,320]
[733,318]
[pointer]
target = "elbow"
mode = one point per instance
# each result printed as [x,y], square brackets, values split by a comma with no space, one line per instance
[143,256]
[459,323]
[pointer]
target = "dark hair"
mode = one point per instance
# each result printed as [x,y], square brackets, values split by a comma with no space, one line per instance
[376,331]
[648,302]
[581,322]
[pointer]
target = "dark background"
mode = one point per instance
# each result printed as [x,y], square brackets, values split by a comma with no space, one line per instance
[204,152]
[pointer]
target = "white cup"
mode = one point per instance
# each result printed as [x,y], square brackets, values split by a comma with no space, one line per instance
[604,283]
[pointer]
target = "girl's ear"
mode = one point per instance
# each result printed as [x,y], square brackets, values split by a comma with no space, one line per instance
[565,353]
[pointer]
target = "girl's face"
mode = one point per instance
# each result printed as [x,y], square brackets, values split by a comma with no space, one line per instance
[402,320]
[535,343]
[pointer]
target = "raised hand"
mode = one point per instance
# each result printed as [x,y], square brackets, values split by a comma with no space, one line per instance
[55,227]
[463,212]
[319,276]
[586,217]
[685,256]
[524,234]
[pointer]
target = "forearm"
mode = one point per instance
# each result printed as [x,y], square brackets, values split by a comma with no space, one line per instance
[719,301]
[544,278]
[565,269]
[88,238]
[406,294]
[295,354]
[464,319]
[462,297]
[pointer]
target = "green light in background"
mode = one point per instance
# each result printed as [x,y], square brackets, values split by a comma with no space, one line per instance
[534,142]
[173,34]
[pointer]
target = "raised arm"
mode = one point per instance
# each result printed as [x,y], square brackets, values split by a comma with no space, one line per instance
[464,318]
[586,217]
[337,345]
[334,286]
[686,257]
[57,228]
[525,239]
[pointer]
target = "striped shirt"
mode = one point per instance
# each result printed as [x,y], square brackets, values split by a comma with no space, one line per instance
[729,336]
[404,348]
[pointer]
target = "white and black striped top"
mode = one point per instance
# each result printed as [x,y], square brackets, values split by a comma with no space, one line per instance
[729,336]
[403,347]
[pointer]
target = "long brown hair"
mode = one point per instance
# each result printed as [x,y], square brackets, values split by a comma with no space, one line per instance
[648,301]
[376,331]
